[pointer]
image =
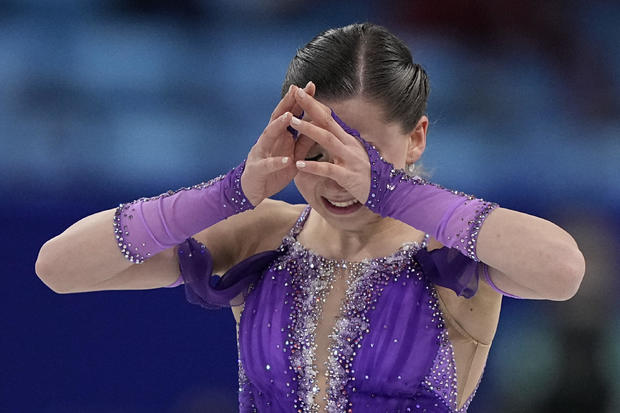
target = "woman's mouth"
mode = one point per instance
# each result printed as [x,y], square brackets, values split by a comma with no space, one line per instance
[341,207]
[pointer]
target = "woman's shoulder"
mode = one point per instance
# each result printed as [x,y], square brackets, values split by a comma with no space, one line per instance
[240,236]
[276,213]
[273,220]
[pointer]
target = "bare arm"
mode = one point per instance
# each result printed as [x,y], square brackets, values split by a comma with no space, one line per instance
[85,257]
[529,256]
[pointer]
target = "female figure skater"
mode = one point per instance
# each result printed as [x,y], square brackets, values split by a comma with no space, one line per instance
[382,294]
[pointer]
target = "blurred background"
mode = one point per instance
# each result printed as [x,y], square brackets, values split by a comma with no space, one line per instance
[102,102]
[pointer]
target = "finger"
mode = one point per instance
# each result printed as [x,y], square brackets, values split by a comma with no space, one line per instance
[296,110]
[324,169]
[270,136]
[274,163]
[321,136]
[310,88]
[286,103]
[302,146]
[322,115]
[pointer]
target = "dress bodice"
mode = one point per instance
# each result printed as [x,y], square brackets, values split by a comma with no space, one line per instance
[389,348]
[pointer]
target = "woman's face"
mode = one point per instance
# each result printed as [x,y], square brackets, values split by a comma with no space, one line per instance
[388,138]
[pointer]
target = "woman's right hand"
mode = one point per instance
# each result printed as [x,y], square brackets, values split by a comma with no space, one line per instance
[270,165]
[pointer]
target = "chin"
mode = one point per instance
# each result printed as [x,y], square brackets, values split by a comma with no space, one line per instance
[350,217]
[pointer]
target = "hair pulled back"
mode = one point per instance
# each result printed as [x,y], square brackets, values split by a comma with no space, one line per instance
[364,60]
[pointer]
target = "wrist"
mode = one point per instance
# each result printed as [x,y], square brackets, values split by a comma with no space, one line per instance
[253,199]
[233,196]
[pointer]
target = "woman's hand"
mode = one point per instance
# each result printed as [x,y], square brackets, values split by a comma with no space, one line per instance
[350,166]
[270,164]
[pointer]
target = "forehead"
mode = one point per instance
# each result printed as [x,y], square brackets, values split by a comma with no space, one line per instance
[366,117]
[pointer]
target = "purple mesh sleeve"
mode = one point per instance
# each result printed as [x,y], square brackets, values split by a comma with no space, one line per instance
[449,268]
[453,218]
[150,225]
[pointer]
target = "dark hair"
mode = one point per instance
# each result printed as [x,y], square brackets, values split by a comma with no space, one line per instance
[366,60]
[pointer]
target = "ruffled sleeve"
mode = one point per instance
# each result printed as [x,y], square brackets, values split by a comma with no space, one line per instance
[449,268]
[212,291]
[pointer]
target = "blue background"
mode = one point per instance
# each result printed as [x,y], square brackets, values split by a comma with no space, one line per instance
[102,102]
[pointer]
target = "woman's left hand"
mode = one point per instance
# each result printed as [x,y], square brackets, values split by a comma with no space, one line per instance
[350,166]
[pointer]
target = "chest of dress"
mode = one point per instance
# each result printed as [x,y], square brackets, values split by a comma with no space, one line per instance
[385,341]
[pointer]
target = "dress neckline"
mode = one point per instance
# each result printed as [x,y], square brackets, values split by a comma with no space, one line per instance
[404,251]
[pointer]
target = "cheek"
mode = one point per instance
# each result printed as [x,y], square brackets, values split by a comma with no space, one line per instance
[306,184]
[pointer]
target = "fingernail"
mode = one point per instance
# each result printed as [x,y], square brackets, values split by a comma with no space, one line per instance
[301,93]
[295,121]
[308,84]
[285,159]
[290,87]
[300,164]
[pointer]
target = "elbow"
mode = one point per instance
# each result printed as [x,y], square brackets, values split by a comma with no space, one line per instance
[44,268]
[572,268]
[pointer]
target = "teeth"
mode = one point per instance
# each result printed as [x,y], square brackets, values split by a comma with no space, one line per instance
[343,204]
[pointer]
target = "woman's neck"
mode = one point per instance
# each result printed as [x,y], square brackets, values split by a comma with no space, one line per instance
[381,237]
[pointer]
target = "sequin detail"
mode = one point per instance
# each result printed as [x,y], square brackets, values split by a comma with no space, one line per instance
[234,202]
[364,287]
[127,211]
[312,276]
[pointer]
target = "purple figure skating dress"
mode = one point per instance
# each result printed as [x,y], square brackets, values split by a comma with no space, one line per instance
[389,350]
